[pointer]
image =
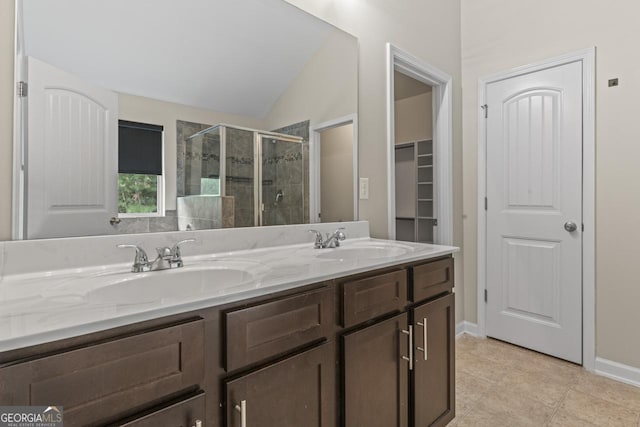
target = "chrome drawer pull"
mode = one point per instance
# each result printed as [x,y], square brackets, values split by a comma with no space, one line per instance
[242,408]
[424,349]
[410,358]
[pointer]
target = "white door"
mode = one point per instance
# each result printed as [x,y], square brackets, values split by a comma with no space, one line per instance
[534,195]
[71,174]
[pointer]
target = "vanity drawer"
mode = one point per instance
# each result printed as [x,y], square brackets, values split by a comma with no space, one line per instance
[184,413]
[432,279]
[277,327]
[368,298]
[105,381]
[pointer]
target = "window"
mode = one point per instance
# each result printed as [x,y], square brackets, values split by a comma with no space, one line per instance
[140,166]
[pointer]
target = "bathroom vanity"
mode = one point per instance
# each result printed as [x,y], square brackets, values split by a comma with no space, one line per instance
[359,335]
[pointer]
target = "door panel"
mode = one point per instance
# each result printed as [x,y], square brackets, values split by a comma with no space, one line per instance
[534,187]
[298,391]
[434,381]
[71,156]
[376,376]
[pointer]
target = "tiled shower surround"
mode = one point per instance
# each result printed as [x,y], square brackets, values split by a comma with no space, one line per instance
[285,170]
[301,129]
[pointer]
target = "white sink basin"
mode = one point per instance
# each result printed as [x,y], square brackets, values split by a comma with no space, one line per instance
[171,285]
[366,251]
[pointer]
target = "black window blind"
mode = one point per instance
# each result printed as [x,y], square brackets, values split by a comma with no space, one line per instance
[139,148]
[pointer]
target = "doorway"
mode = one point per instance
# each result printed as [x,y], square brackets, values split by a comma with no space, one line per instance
[414,167]
[536,205]
[334,171]
[419,133]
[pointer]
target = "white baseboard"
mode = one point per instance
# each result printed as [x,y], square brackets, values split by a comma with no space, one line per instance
[468,328]
[617,371]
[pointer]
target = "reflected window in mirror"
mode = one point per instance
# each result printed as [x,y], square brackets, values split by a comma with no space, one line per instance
[140,169]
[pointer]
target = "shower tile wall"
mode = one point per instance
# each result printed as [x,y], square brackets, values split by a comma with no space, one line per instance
[301,129]
[153,224]
[205,212]
[240,176]
[184,130]
[282,172]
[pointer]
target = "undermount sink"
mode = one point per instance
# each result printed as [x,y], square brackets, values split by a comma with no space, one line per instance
[177,284]
[366,251]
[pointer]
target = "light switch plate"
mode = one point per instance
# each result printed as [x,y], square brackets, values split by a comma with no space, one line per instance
[364,188]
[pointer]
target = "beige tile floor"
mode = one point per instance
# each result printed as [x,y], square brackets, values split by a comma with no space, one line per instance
[498,384]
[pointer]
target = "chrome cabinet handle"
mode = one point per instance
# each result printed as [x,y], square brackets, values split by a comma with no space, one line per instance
[424,349]
[242,408]
[410,357]
[570,226]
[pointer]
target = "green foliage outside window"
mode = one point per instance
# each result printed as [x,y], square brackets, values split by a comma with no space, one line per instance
[137,193]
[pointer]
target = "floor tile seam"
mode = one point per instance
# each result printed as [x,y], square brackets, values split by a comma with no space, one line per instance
[487,380]
[559,406]
[610,401]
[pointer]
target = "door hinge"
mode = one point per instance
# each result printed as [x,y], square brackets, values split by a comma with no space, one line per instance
[486,295]
[485,108]
[435,222]
[583,227]
[486,204]
[22,89]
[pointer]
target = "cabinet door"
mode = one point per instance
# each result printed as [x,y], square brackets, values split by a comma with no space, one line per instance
[376,376]
[298,391]
[434,371]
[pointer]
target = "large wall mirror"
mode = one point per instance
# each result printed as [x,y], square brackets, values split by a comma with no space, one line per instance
[159,115]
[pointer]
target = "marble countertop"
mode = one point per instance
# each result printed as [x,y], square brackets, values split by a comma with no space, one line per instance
[46,306]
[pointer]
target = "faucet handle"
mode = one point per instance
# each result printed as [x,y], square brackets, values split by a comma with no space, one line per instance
[319,239]
[140,261]
[175,250]
[339,236]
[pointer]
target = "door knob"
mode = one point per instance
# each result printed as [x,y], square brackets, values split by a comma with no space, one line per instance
[570,226]
[114,221]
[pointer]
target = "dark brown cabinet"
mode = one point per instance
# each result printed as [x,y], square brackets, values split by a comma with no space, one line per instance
[434,364]
[297,391]
[400,371]
[376,377]
[106,381]
[375,349]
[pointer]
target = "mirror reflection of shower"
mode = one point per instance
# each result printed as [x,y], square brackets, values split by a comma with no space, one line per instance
[279,197]
[239,191]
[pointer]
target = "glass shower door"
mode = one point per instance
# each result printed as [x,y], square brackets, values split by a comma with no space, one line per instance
[282,173]
[240,176]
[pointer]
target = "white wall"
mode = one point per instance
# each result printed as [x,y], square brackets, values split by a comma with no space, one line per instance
[336,172]
[6,115]
[326,89]
[414,118]
[428,29]
[501,34]
[146,110]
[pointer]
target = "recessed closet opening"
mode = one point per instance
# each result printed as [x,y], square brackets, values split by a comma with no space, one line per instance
[414,160]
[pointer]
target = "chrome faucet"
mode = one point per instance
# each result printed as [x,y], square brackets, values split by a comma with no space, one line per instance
[167,258]
[333,240]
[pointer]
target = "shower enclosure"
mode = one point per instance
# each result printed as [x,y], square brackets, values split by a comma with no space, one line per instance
[263,172]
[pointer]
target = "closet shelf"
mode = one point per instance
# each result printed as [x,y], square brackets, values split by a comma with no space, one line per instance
[425,155]
[425,182]
[425,200]
[425,166]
